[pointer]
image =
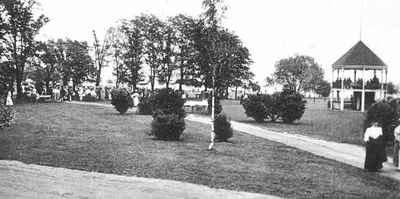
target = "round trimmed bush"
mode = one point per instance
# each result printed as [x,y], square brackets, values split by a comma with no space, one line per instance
[168,101]
[167,126]
[121,100]
[168,115]
[222,128]
[255,108]
[270,103]
[291,105]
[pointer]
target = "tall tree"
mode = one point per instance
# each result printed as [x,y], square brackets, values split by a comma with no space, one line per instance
[185,27]
[323,88]
[221,54]
[60,50]
[212,19]
[48,67]
[169,52]
[391,88]
[132,53]
[116,44]
[101,51]
[153,44]
[21,27]
[314,78]
[79,62]
[298,72]
[254,86]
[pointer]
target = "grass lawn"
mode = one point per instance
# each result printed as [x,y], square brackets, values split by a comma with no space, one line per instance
[98,139]
[317,121]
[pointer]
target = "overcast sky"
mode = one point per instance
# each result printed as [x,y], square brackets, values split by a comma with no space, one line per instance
[272,30]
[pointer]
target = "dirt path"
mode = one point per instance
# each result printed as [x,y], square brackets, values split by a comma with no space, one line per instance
[346,153]
[19,180]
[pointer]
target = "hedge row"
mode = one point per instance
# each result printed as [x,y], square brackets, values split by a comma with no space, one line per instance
[287,106]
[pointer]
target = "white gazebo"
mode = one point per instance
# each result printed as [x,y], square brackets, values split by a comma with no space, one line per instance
[358,92]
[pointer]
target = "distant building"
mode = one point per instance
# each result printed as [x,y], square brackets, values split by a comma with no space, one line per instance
[359,79]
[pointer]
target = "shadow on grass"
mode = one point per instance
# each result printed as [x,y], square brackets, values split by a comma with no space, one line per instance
[274,123]
[115,113]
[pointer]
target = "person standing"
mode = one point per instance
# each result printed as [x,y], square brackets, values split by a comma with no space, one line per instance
[135,98]
[9,101]
[375,148]
[396,154]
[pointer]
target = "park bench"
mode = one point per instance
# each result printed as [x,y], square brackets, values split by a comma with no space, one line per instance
[196,106]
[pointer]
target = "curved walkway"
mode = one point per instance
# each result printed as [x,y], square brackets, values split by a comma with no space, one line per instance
[19,180]
[346,153]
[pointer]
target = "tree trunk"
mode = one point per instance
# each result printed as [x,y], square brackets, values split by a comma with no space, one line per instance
[152,79]
[168,80]
[98,78]
[19,86]
[181,78]
[236,89]
[47,82]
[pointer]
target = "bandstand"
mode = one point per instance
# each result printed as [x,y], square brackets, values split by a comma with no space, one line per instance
[359,79]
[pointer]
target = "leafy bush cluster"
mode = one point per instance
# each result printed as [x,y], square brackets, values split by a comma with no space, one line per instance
[386,115]
[6,115]
[287,106]
[168,115]
[121,100]
[169,102]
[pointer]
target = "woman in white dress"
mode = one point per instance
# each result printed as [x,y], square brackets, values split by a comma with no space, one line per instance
[135,97]
[375,148]
[9,101]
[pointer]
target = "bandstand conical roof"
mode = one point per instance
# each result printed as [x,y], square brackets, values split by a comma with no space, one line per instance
[359,56]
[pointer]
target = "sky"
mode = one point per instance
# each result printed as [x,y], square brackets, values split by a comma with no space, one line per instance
[270,29]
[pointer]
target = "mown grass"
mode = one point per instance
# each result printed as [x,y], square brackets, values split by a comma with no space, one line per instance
[317,121]
[99,139]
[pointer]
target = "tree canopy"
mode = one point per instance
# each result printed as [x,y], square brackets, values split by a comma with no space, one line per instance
[19,28]
[298,73]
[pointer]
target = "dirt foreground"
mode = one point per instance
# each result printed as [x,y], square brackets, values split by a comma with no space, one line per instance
[19,180]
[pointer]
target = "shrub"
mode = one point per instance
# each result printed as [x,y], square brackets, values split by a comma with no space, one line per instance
[291,105]
[144,106]
[217,105]
[6,115]
[168,117]
[286,105]
[222,128]
[167,126]
[271,105]
[121,100]
[169,102]
[385,115]
[255,108]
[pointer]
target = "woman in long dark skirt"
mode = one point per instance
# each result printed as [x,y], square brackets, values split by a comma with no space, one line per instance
[375,148]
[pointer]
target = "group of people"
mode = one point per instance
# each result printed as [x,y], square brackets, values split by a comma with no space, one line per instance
[62,93]
[375,147]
